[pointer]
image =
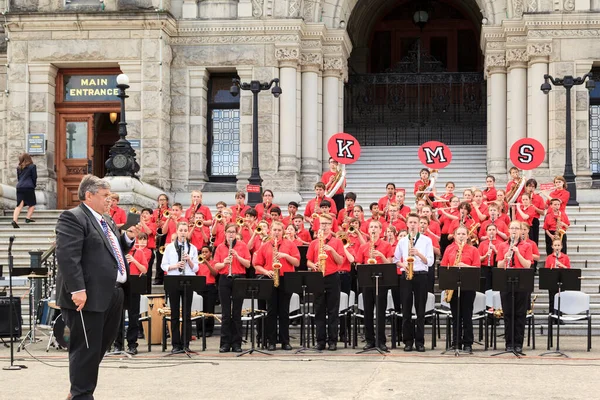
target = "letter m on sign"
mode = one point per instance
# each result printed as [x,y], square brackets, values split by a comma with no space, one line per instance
[432,154]
[343,148]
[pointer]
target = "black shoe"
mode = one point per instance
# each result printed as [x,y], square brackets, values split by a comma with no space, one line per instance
[420,348]
[132,350]
[519,349]
[468,349]
[271,347]
[15,225]
[208,334]
[332,347]
[236,349]
[369,346]
[176,350]
[140,334]
[383,347]
[187,349]
[320,346]
[117,349]
[28,221]
[509,348]
[286,346]
[157,282]
[224,349]
[408,347]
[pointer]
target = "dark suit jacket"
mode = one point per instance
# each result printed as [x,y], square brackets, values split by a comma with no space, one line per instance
[85,259]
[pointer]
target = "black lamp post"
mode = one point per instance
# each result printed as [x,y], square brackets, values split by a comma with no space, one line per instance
[568,82]
[255,197]
[121,161]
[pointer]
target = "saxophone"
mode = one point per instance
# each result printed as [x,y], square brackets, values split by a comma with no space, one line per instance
[410,260]
[449,293]
[372,259]
[561,231]
[322,254]
[276,264]
[473,234]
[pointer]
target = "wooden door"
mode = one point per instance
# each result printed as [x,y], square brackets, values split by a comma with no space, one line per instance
[74,155]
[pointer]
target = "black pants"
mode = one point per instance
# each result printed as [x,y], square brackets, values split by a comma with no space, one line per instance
[175,302]
[417,287]
[345,286]
[462,329]
[209,298]
[101,329]
[431,279]
[159,276]
[328,303]
[534,231]
[149,272]
[133,327]
[231,310]
[549,243]
[278,307]
[521,305]
[397,297]
[369,299]
[444,242]
[338,199]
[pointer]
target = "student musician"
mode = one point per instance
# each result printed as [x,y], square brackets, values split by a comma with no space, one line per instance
[196,206]
[328,180]
[117,213]
[556,224]
[444,199]
[346,273]
[424,230]
[232,258]
[385,201]
[447,216]
[149,228]
[249,225]
[217,231]
[158,218]
[274,259]
[303,233]
[538,204]
[560,192]
[206,268]
[394,218]
[513,184]
[489,193]
[422,184]
[180,258]
[240,208]
[292,211]
[414,252]
[314,205]
[325,256]
[169,226]
[557,259]
[501,227]
[535,251]
[488,252]
[198,234]
[291,233]
[515,254]
[461,254]
[264,209]
[346,213]
[376,215]
[377,251]
[464,219]
[403,209]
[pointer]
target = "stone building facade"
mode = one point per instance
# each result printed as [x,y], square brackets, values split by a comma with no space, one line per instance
[174,50]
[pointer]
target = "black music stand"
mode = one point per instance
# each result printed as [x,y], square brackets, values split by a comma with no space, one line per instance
[376,275]
[560,280]
[175,283]
[253,289]
[458,279]
[512,280]
[303,266]
[486,278]
[11,311]
[304,283]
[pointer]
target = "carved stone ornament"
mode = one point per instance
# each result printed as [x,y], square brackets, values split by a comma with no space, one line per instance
[539,49]
[309,10]
[495,45]
[564,33]
[311,59]
[495,60]
[333,64]
[517,55]
[532,5]
[294,8]
[225,39]
[257,8]
[517,8]
[569,5]
[286,53]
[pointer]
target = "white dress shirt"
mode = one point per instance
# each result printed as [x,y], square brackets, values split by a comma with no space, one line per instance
[423,245]
[171,257]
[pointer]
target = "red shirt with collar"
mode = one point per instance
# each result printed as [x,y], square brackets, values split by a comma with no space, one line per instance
[152,235]
[364,252]
[239,211]
[346,266]
[562,258]
[118,215]
[172,228]
[490,194]
[385,200]
[468,222]
[155,215]
[434,241]
[538,202]
[288,220]
[189,213]
[469,256]
[500,226]
[365,225]
[264,211]
[197,238]
[445,222]
[142,256]
[264,256]
[551,219]
[534,247]
[304,235]
[484,246]
[343,213]
[325,180]
[331,267]
[204,271]
[236,267]
[317,225]
[563,195]
[399,225]
[531,214]
[311,205]
[483,208]
[524,249]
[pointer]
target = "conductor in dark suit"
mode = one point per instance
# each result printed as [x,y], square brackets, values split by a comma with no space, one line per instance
[92,273]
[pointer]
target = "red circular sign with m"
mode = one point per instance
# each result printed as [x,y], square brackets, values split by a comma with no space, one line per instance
[435,155]
[344,148]
[527,154]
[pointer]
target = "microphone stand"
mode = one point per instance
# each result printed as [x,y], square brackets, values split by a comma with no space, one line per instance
[12,366]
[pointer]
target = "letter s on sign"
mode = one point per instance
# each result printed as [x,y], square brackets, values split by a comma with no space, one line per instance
[526,153]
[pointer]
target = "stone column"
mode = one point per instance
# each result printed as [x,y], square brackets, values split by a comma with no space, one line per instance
[331,78]
[537,122]
[198,90]
[311,64]
[517,82]
[288,66]
[245,74]
[581,128]
[496,64]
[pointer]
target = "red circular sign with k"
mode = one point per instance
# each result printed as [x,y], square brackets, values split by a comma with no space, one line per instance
[344,148]
[527,154]
[435,155]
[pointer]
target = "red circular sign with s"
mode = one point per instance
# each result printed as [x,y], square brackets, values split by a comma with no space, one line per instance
[344,148]
[435,155]
[527,154]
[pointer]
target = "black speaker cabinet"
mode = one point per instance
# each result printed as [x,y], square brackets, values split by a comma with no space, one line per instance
[4,317]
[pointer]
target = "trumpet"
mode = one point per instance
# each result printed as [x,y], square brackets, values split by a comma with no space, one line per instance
[198,224]
[161,249]
[372,259]
[239,221]
[314,215]
[258,230]
[167,214]
[352,229]
[201,259]
[133,210]
[219,217]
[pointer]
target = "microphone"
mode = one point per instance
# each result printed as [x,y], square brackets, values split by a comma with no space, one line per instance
[10,243]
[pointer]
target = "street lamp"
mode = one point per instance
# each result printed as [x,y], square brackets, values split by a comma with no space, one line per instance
[568,82]
[121,161]
[255,197]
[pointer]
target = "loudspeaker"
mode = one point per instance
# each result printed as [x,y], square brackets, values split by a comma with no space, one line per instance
[17,320]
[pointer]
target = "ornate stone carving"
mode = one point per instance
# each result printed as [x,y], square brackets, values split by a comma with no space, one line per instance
[310,44]
[309,10]
[294,8]
[257,8]
[569,5]
[532,5]
[517,55]
[517,8]
[286,54]
[555,33]
[516,39]
[495,60]
[495,45]
[190,40]
[333,64]
[539,49]
[311,59]
[332,49]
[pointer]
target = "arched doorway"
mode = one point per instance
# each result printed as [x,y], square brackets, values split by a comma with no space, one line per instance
[416,74]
